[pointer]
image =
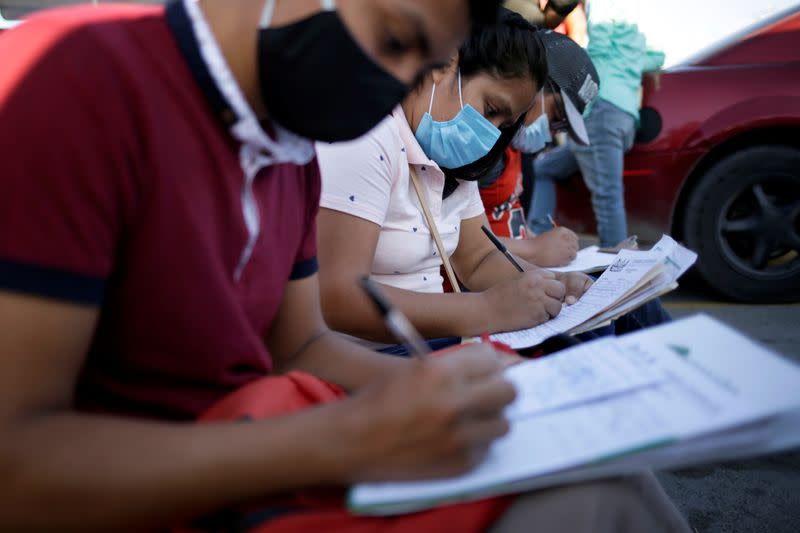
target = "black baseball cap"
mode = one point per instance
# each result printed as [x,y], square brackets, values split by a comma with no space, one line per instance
[573,75]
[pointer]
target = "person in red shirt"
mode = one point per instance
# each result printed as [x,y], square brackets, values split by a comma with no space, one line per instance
[157,261]
[502,186]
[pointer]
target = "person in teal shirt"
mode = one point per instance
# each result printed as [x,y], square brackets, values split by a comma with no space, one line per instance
[620,53]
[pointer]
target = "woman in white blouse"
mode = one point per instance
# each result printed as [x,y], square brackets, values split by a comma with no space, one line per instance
[371,222]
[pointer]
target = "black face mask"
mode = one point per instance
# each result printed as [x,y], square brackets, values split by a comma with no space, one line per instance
[317,82]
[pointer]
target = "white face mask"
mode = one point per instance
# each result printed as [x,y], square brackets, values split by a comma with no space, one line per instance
[534,138]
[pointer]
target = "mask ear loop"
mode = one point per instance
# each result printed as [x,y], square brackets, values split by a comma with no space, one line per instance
[430,105]
[544,108]
[460,100]
[269,9]
[266,14]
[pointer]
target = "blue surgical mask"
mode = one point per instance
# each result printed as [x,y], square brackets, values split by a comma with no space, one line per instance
[459,141]
[534,138]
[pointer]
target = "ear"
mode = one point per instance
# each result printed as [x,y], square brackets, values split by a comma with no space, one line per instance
[441,74]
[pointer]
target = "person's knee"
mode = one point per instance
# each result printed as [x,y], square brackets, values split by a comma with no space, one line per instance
[634,503]
[619,505]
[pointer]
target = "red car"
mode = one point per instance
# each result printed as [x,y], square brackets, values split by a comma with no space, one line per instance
[717,163]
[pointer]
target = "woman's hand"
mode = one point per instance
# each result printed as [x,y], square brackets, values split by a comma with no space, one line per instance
[524,302]
[576,283]
[557,247]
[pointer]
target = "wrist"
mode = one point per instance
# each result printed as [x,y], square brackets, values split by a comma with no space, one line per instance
[532,253]
[340,442]
[484,314]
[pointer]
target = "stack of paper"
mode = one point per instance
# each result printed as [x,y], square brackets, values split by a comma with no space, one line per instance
[633,279]
[589,259]
[685,393]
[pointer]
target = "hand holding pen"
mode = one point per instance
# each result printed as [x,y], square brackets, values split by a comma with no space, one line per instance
[436,417]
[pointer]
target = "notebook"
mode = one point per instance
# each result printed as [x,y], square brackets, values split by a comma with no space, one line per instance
[680,394]
[633,279]
[588,260]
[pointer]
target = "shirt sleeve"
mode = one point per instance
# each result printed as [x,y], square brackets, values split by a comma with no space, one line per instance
[357,176]
[62,172]
[653,60]
[475,206]
[305,263]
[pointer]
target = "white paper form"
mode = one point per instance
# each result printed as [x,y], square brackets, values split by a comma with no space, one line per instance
[589,259]
[535,446]
[713,358]
[618,280]
[677,261]
[582,415]
[718,382]
[580,374]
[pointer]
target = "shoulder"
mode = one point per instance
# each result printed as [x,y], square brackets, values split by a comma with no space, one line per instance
[88,53]
[382,140]
[374,157]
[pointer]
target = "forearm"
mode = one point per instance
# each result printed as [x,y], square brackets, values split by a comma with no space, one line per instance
[338,360]
[494,268]
[70,472]
[435,315]
[527,249]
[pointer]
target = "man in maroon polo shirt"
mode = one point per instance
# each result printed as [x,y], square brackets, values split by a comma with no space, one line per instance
[157,252]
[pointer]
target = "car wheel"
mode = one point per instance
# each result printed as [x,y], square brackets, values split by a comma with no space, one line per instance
[743,220]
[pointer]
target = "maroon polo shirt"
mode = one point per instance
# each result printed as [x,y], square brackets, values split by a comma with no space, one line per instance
[121,188]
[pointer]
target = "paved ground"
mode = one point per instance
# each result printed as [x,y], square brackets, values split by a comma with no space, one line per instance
[754,496]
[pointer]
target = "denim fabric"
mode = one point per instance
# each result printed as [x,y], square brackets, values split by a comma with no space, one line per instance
[650,314]
[554,165]
[611,132]
[400,350]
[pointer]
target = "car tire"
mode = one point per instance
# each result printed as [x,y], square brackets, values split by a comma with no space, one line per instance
[743,220]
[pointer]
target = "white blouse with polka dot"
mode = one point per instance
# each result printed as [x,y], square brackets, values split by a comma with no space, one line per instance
[369,178]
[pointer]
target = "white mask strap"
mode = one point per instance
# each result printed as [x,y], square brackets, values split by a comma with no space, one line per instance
[269,9]
[460,100]
[433,91]
[266,14]
[544,109]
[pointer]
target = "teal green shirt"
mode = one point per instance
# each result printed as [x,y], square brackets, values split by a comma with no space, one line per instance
[620,54]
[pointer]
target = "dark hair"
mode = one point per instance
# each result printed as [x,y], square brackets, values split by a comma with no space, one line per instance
[484,12]
[509,49]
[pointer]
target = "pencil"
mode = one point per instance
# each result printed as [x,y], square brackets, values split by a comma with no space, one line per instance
[500,246]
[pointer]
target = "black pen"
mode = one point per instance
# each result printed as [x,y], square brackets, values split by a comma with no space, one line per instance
[502,248]
[396,321]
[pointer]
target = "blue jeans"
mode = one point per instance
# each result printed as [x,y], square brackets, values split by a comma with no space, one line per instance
[434,344]
[611,132]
